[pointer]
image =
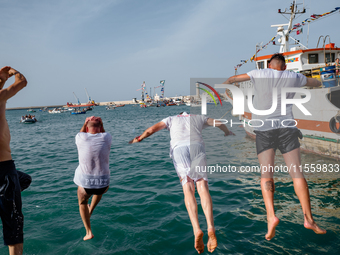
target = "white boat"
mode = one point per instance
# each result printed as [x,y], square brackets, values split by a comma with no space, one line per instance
[194,104]
[110,107]
[321,131]
[57,110]
[151,104]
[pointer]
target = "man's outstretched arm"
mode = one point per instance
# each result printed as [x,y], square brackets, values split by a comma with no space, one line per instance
[151,130]
[217,123]
[19,83]
[237,78]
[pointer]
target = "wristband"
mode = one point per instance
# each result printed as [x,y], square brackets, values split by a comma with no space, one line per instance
[138,138]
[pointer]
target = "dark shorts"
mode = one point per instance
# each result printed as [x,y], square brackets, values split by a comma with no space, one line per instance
[284,139]
[96,191]
[10,204]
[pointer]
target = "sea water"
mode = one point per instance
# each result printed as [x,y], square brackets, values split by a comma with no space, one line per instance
[143,212]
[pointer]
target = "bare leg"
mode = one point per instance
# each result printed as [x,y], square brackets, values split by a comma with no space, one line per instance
[16,249]
[292,158]
[266,159]
[83,199]
[191,205]
[95,200]
[206,202]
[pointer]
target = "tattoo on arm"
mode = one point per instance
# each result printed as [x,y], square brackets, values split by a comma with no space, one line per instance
[269,186]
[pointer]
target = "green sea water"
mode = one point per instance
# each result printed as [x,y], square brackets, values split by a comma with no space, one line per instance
[143,212]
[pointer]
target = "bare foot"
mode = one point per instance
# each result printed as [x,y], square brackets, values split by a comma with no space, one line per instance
[199,245]
[312,225]
[212,241]
[88,236]
[272,223]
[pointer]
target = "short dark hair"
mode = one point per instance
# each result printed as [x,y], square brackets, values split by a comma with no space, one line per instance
[278,56]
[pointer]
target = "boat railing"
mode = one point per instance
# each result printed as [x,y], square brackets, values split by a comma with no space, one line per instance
[321,36]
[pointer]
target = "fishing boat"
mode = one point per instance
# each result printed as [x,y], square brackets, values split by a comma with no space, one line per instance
[90,102]
[321,130]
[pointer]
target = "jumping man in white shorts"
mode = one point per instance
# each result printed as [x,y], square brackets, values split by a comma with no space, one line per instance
[187,151]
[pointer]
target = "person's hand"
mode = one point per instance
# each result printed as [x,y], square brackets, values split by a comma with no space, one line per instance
[4,73]
[12,71]
[94,118]
[135,140]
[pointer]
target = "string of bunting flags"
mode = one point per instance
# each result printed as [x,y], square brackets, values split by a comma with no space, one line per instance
[312,18]
[295,27]
[253,57]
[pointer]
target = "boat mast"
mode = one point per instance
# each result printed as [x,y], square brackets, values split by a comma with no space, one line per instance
[143,87]
[284,33]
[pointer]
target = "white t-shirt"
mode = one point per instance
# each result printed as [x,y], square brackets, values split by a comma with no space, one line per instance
[93,152]
[264,81]
[185,128]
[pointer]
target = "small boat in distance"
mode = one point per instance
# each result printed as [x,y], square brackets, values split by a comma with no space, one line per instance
[28,119]
[110,107]
[79,112]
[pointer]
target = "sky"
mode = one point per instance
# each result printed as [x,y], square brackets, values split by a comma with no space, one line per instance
[110,47]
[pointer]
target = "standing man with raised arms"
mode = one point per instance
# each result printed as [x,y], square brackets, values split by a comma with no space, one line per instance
[187,151]
[273,135]
[10,196]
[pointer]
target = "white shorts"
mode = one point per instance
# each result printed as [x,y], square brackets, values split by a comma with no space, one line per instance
[188,160]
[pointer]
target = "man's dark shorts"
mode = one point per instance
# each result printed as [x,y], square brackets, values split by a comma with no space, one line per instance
[100,191]
[284,139]
[10,204]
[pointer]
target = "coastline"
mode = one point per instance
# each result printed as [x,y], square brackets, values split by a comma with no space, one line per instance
[61,105]
[132,101]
